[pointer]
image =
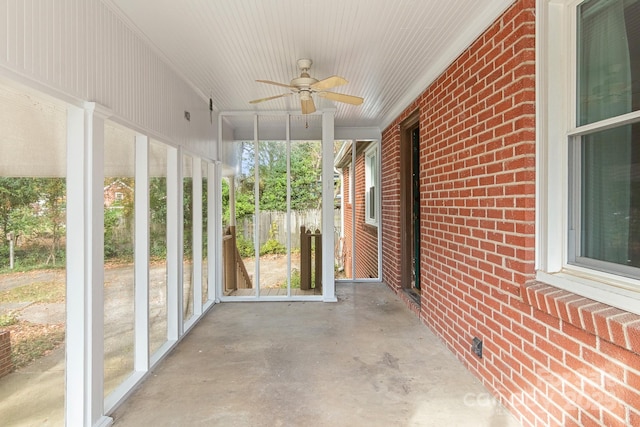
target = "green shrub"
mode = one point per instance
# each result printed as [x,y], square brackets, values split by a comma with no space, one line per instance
[158,242]
[272,247]
[245,246]
[8,319]
[4,255]
[295,279]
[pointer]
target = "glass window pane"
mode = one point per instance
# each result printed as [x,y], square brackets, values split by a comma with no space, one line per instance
[342,187]
[205,241]
[357,250]
[610,196]
[33,211]
[272,158]
[187,230]
[238,207]
[608,55]
[157,245]
[119,214]
[306,204]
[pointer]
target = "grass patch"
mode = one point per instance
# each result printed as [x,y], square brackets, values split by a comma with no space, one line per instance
[8,319]
[19,268]
[42,292]
[295,280]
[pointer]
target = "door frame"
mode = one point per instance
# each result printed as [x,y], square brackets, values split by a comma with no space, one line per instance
[407,254]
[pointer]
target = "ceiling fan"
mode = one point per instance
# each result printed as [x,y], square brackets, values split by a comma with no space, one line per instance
[305,86]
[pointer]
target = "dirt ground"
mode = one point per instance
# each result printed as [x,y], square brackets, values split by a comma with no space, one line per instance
[273,269]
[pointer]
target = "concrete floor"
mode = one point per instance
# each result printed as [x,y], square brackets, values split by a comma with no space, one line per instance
[365,360]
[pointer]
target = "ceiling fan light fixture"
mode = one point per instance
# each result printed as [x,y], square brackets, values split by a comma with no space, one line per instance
[305,95]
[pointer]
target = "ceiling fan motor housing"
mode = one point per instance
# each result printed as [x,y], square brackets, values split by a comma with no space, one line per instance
[303,82]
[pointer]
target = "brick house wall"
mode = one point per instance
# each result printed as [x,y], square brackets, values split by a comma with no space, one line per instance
[5,353]
[112,190]
[347,208]
[366,235]
[551,357]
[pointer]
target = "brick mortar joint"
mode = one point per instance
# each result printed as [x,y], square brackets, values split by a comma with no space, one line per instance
[6,365]
[543,291]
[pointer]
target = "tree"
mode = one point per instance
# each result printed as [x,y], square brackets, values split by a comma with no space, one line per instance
[52,194]
[273,176]
[187,215]
[158,216]
[15,193]
[306,176]
[306,184]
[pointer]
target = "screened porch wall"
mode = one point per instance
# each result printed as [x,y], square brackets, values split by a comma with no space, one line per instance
[80,51]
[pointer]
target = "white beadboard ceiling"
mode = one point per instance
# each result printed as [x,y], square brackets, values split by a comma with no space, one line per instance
[389,51]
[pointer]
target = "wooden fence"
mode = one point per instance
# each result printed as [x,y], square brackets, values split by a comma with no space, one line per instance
[273,224]
[310,248]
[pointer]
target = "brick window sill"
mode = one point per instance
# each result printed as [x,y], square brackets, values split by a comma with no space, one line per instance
[608,323]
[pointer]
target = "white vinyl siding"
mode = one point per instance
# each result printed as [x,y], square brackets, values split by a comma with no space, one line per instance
[84,50]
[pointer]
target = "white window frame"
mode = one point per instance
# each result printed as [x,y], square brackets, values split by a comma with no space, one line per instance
[371,157]
[555,75]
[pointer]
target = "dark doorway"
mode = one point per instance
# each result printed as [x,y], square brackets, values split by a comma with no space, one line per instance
[415,205]
[410,206]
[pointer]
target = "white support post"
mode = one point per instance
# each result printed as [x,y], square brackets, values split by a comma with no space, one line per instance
[84,394]
[212,247]
[141,355]
[215,229]
[328,274]
[215,213]
[196,167]
[174,245]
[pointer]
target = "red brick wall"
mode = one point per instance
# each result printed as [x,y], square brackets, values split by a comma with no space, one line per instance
[5,353]
[347,207]
[366,235]
[390,195]
[551,357]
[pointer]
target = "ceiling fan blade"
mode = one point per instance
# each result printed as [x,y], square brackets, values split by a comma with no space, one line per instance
[308,106]
[269,82]
[329,82]
[255,101]
[340,97]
